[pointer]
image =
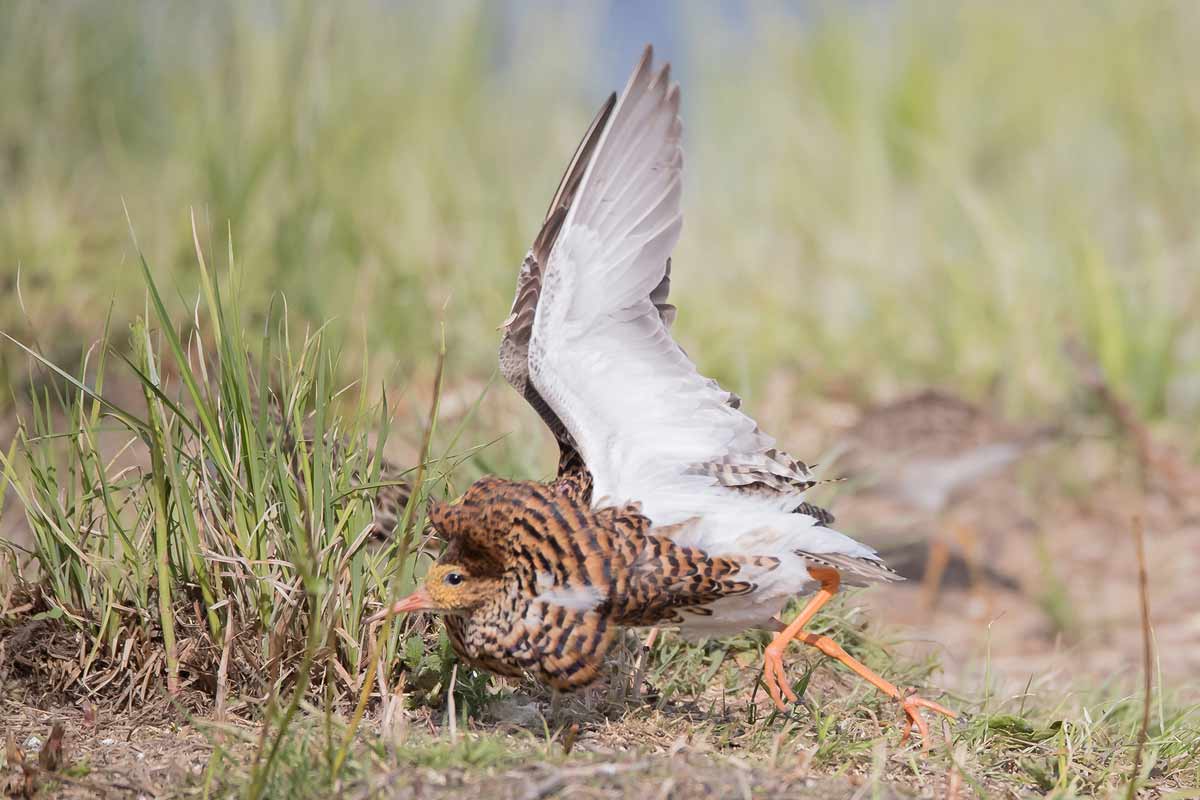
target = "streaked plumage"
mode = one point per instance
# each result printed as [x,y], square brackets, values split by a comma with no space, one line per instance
[648,425]
[928,448]
[565,576]
[694,518]
[923,455]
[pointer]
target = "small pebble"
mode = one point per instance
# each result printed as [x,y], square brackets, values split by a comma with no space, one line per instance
[108,742]
[33,744]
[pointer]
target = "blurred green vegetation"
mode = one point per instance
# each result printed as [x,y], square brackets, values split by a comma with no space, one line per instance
[885,195]
[363,162]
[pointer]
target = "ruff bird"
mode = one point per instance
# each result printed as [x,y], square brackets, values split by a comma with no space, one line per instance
[671,507]
[924,454]
[928,448]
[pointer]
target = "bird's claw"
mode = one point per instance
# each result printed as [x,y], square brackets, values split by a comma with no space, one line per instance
[779,688]
[912,705]
[776,680]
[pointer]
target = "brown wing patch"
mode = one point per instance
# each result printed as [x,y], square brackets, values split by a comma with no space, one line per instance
[643,575]
[851,567]
[821,515]
[665,579]
[770,471]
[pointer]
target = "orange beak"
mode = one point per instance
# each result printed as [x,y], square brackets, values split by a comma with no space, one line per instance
[417,601]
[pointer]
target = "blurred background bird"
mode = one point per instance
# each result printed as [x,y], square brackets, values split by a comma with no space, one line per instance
[922,458]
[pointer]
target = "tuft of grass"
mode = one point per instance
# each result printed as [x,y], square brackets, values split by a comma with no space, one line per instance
[215,532]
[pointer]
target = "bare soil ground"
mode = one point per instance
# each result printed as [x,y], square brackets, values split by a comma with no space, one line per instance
[150,752]
[1073,615]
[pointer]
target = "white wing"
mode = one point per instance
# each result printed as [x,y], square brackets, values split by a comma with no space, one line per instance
[649,426]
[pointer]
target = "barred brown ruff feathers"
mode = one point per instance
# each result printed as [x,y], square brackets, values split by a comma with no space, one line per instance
[560,578]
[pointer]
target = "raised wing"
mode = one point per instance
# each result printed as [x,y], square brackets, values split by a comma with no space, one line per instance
[518,327]
[516,330]
[649,426]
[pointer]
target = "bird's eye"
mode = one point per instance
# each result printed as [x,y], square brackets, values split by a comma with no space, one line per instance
[454,578]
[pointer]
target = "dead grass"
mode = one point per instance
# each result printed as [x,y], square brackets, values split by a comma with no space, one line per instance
[151,751]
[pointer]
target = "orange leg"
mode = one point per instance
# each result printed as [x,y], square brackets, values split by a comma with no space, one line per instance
[935,568]
[773,676]
[776,681]
[968,540]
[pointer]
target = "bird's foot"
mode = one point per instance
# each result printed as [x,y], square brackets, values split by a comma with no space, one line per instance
[775,679]
[912,705]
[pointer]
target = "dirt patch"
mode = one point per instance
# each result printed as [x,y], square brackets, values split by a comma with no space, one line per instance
[1062,607]
[684,774]
[689,748]
[148,753]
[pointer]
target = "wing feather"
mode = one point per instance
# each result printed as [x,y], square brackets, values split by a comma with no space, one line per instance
[648,425]
[517,328]
[514,342]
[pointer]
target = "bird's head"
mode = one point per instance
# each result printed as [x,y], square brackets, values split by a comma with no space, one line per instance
[466,576]
[448,588]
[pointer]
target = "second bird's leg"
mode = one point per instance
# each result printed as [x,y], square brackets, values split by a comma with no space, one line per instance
[777,683]
[935,567]
[639,671]
[967,536]
[964,536]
